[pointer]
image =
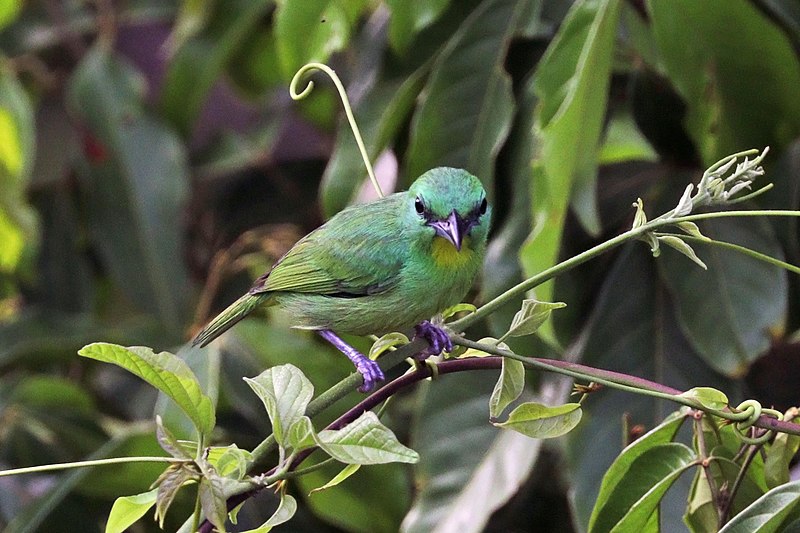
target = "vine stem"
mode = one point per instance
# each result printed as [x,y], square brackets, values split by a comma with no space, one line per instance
[548,274]
[348,110]
[85,464]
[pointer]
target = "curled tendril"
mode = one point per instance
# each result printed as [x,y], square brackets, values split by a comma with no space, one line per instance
[751,411]
[310,67]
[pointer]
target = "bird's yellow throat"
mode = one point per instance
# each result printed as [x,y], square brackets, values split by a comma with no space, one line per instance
[446,255]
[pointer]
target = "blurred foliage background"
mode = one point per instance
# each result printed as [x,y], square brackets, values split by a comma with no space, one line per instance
[152,163]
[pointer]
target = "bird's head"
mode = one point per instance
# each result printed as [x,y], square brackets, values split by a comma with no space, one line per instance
[452,204]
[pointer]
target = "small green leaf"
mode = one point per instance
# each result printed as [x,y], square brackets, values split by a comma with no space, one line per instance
[169,483]
[301,434]
[213,501]
[641,485]
[388,341]
[691,229]
[458,308]
[779,455]
[508,387]
[164,371]
[128,509]
[680,245]
[229,461]
[542,421]
[168,442]
[285,391]
[707,397]
[346,472]
[490,341]
[771,513]
[532,315]
[365,441]
[285,511]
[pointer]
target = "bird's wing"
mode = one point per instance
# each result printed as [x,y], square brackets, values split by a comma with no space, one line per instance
[357,253]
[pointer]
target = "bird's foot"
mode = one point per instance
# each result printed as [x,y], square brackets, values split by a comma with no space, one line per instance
[436,336]
[365,366]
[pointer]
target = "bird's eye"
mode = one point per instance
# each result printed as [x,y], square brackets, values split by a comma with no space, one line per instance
[419,206]
[483,207]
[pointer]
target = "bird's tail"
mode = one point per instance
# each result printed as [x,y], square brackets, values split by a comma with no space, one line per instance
[230,316]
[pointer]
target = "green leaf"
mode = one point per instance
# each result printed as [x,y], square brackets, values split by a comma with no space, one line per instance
[680,245]
[365,441]
[661,434]
[286,510]
[707,397]
[312,31]
[169,484]
[168,442]
[467,108]
[386,342]
[779,455]
[213,501]
[572,84]
[285,391]
[200,60]
[640,488]
[540,421]
[128,509]
[458,308]
[345,473]
[531,316]
[770,513]
[136,186]
[301,434]
[727,312]
[229,461]
[508,387]
[9,11]
[722,73]
[165,372]
[409,18]
[490,341]
[691,229]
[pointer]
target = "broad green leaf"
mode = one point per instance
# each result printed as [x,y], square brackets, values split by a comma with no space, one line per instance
[18,224]
[508,387]
[779,455]
[572,82]
[542,421]
[707,397]
[345,473]
[365,441]
[680,245]
[385,343]
[624,142]
[136,186]
[408,18]
[641,487]
[728,311]
[722,73]
[312,31]
[644,512]
[467,468]
[200,60]
[531,316]
[770,513]
[286,510]
[213,501]
[467,108]
[301,434]
[661,434]
[285,391]
[128,509]
[165,372]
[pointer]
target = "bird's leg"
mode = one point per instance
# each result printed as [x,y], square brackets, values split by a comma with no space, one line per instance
[436,336]
[368,368]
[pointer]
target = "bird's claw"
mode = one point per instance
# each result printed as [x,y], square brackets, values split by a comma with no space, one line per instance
[436,336]
[371,373]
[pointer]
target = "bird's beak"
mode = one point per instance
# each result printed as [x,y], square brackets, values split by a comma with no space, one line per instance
[449,228]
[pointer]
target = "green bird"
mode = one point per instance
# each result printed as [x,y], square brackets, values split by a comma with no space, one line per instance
[374,268]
